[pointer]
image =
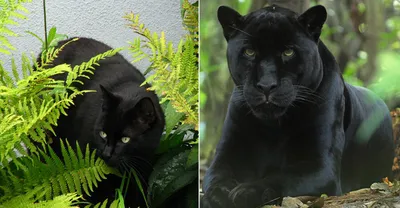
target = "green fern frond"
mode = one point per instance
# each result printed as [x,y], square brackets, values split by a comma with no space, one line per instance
[175,72]
[26,201]
[48,56]
[10,9]
[75,173]
[190,18]
[83,70]
[115,204]
[38,100]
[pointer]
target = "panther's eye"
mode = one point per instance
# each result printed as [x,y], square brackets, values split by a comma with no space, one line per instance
[103,134]
[288,52]
[125,139]
[249,52]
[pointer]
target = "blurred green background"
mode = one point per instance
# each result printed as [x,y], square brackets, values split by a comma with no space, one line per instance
[364,36]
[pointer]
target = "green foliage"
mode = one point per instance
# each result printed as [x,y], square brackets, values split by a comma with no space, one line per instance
[171,173]
[52,38]
[10,9]
[33,104]
[30,104]
[114,204]
[174,71]
[386,84]
[26,201]
[173,74]
[49,176]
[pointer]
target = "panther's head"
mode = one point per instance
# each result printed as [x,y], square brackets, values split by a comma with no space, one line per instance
[273,56]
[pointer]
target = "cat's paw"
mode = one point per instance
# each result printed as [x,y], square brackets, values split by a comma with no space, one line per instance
[247,195]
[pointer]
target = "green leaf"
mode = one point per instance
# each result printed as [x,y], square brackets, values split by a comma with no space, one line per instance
[52,34]
[192,199]
[178,183]
[193,157]
[140,186]
[172,118]
[167,143]
[170,175]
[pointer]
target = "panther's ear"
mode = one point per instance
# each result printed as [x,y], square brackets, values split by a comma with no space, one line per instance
[229,20]
[312,20]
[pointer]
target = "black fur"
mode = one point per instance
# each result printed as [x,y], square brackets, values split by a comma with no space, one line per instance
[120,108]
[293,126]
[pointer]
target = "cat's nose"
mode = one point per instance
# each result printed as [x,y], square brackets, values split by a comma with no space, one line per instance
[266,88]
[106,156]
[107,153]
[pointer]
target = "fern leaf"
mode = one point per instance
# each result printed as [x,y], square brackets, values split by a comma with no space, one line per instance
[50,173]
[175,74]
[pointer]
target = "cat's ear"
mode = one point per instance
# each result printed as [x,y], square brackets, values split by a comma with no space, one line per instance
[229,20]
[145,111]
[312,20]
[110,101]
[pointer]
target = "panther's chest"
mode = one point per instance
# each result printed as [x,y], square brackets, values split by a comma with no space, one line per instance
[272,152]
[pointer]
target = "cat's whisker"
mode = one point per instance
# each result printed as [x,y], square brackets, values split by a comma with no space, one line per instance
[140,166]
[138,173]
[144,160]
[125,166]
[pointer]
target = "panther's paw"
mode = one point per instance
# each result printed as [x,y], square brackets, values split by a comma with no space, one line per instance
[216,198]
[270,196]
[246,195]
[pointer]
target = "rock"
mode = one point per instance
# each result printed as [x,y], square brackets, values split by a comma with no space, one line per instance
[290,202]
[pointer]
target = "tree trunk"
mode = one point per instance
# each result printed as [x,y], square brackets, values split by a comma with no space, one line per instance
[375,26]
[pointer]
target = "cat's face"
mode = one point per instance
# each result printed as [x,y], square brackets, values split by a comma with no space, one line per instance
[129,128]
[273,56]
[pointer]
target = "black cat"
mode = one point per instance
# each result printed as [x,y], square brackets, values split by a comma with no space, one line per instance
[293,126]
[122,120]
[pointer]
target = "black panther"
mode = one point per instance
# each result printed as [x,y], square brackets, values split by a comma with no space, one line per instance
[122,120]
[293,126]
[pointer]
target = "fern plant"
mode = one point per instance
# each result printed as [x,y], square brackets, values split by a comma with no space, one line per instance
[26,201]
[30,104]
[173,74]
[77,172]
[10,9]
[175,71]
[33,104]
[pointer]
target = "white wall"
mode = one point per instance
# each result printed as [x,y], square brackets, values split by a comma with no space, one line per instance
[98,19]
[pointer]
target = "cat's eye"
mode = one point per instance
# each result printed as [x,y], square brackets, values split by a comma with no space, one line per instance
[125,139]
[249,52]
[288,52]
[103,134]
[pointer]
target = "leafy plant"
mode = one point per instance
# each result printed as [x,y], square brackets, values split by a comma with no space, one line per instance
[10,9]
[30,104]
[173,74]
[52,38]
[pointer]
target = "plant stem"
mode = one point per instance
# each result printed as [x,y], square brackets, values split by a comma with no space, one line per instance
[45,24]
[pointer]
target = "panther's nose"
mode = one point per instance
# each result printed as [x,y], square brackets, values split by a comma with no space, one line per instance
[266,88]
